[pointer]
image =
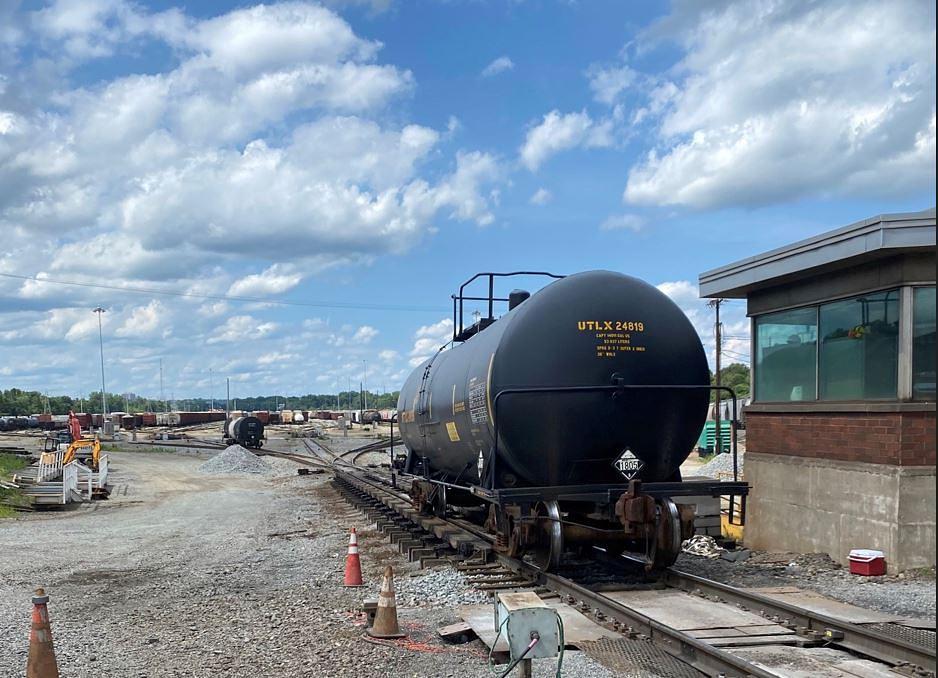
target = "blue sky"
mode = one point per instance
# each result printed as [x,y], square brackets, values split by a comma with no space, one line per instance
[381,152]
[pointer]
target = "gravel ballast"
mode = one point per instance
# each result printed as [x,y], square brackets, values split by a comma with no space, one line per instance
[236,574]
[720,466]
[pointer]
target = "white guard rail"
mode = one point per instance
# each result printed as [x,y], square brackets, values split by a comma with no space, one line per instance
[102,471]
[50,465]
[69,480]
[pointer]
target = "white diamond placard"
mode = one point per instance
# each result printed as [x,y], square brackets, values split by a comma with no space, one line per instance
[628,464]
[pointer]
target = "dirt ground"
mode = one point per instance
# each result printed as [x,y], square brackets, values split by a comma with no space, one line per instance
[186,574]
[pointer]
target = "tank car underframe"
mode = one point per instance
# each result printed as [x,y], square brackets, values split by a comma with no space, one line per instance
[638,520]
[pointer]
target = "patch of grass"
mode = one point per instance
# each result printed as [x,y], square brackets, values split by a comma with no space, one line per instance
[9,498]
[10,463]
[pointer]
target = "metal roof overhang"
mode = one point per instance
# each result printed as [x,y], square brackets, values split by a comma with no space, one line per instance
[880,236]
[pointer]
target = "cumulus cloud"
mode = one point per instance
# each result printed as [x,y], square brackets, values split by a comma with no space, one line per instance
[151,320]
[175,159]
[364,334]
[558,132]
[429,338]
[499,65]
[541,197]
[275,280]
[259,150]
[745,118]
[241,328]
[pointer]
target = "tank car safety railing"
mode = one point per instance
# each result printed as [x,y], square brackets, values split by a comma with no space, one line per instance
[619,388]
[458,299]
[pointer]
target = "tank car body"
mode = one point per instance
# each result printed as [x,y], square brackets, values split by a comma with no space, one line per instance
[245,431]
[577,406]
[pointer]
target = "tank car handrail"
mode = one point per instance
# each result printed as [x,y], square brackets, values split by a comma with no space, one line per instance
[491,298]
[614,388]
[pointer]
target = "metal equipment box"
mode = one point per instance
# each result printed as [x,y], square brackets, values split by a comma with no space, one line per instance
[521,615]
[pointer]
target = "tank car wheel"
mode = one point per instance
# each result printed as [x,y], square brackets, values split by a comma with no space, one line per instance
[507,537]
[666,544]
[548,548]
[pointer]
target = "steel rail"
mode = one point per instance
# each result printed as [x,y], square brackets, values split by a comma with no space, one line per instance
[702,656]
[696,653]
[850,636]
[692,651]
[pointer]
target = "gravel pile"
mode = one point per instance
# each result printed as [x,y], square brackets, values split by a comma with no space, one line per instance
[235,459]
[721,466]
[438,587]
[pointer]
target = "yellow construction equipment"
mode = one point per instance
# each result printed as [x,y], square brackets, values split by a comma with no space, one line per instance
[85,450]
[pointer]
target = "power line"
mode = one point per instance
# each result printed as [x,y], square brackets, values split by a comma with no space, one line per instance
[226,297]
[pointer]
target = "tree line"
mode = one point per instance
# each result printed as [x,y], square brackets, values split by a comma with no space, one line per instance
[734,375]
[17,402]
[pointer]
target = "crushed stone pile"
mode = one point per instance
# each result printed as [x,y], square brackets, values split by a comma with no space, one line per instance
[235,459]
[721,466]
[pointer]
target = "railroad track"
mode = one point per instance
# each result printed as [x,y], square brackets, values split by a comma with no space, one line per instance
[432,539]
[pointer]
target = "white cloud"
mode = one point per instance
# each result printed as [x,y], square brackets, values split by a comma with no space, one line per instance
[171,165]
[364,334]
[241,328]
[761,109]
[429,338]
[541,197]
[151,320]
[558,132]
[499,65]
[274,280]
[629,222]
[608,83]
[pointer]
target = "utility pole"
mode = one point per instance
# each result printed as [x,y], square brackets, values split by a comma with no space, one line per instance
[227,398]
[99,311]
[211,387]
[162,397]
[364,380]
[718,340]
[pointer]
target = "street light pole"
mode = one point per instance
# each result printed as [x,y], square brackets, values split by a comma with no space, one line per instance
[364,383]
[99,311]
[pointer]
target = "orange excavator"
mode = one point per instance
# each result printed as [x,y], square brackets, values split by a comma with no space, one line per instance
[85,450]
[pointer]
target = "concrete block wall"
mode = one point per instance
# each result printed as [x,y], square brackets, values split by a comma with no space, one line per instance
[806,504]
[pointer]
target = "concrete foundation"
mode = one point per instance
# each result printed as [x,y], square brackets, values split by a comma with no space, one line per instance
[805,504]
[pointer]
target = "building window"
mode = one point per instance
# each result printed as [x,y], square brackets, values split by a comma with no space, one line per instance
[859,353]
[786,356]
[923,343]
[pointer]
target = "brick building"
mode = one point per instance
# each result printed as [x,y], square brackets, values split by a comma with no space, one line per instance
[841,430]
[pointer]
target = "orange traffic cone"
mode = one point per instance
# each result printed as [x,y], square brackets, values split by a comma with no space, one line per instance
[41,662]
[385,625]
[353,564]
